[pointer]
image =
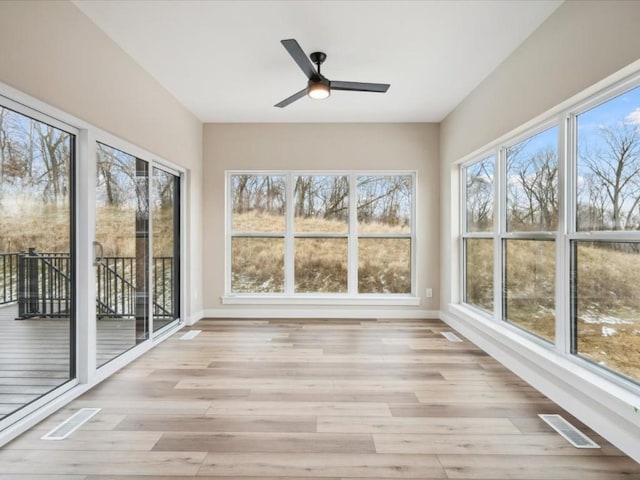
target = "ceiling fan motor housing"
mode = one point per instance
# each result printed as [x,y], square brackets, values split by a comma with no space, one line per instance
[321,80]
[319,87]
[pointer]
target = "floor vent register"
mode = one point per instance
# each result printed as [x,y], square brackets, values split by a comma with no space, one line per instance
[71,424]
[571,434]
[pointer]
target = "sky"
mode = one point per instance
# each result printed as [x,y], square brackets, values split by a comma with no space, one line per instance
[624,108]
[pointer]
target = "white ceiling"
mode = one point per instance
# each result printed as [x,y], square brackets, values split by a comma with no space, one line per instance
[223,59]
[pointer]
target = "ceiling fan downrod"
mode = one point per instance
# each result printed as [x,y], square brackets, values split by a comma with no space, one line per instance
[318,58]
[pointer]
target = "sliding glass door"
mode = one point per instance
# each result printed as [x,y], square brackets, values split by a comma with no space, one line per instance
[122,252]
[166,248]
[37,339]
[134,289]
[44,318]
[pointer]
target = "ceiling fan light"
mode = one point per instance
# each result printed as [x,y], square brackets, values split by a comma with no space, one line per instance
[318,90]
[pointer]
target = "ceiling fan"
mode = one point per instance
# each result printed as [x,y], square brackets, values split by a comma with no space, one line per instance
[319,86]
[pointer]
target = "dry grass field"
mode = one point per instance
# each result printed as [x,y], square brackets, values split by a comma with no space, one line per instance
[607,302]
[384,265]
[46,229]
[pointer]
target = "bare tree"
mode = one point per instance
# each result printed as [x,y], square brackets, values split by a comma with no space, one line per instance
[384,199]
[479,193]
[614,169]
[259,193]
[116,174]
[322,196]
[54,152]
[532,196]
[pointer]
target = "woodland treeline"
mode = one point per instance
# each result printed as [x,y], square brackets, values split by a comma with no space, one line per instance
[34,159]
[35,186]
[382,199]
[123,181]
[608,186]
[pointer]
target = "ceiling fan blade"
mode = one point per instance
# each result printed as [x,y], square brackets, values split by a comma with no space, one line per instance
[359,87]
[292,98]
[294,49]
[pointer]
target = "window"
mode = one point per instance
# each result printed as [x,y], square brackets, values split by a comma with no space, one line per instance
[584,251]
[531,218]
[479,190]
[528,296]
[321,223]
[606,304]
[258,223]
[608,165]
[526,232]
[321,233]
[37,257]
[606,244]
[384,233]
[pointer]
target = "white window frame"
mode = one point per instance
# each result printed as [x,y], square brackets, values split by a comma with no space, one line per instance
[564,117]
[535,235]
[574,236]
[74,206]
[289,296]
[467,235]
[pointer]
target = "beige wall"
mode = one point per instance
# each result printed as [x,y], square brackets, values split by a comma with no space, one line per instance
[580,44]
[52,51]
[321,147]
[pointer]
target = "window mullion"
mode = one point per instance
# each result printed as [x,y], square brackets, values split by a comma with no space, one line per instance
[289,240]
[499,227]
[229,235]
[570,210]
[150,272]
[414,227]
[462,228]
[352,248]
[562,288]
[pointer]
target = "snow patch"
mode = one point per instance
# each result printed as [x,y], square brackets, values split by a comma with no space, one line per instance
[600,319]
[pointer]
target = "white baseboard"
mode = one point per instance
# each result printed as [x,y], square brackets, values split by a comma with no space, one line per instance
[191,320]
[603,405]
[319,313]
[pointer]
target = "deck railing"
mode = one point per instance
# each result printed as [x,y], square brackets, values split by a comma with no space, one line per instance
[115,289]
[43,284]
[163,286]
[40,283]
[8,278]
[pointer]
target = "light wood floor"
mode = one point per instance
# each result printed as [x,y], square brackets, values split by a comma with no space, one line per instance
[302,399]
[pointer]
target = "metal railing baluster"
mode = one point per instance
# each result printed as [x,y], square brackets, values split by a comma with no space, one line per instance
[40,283]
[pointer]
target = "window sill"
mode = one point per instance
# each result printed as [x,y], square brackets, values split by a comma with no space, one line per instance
[323,300]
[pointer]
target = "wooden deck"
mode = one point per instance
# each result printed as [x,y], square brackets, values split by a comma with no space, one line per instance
[296,399]
[34,354]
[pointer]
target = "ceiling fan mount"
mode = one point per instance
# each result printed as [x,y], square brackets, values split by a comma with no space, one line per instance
[319,86]
[318,58]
